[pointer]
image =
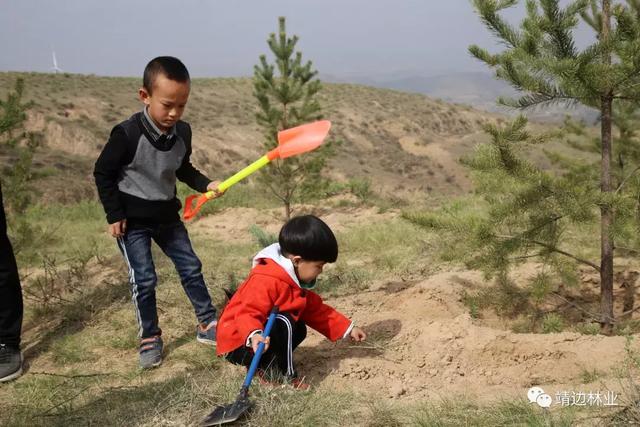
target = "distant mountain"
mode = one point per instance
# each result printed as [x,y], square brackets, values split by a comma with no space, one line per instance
[477,89]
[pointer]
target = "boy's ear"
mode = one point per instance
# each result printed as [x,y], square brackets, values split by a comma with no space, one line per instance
[144,95]
[295,259]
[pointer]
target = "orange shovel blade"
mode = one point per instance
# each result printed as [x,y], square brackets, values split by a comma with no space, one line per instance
[301,139]
[189,210]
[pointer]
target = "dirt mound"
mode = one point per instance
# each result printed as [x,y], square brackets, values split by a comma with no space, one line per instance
[423,344]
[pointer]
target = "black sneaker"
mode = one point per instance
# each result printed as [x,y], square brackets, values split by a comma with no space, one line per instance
[10,363]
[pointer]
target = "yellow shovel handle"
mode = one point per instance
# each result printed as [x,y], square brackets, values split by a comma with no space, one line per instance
[253,167]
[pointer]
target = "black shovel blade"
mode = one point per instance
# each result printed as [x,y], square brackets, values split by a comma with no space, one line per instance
[228,413]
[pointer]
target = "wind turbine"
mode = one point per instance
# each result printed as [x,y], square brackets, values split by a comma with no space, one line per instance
[55,67]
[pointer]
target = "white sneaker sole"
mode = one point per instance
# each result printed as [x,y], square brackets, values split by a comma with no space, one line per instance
[153,365]
[206,341]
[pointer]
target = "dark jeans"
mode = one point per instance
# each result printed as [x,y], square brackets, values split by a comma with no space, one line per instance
[285,335]
[174,241]
[10,290]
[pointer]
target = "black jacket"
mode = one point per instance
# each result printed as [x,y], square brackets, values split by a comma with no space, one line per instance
[137,158]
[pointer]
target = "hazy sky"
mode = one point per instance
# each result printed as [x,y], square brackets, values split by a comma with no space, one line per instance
[374,38]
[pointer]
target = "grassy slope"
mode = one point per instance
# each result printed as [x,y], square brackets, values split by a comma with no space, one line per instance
[81,351]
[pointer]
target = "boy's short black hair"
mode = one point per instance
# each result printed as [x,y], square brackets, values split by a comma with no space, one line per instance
[309,237]
[171,67]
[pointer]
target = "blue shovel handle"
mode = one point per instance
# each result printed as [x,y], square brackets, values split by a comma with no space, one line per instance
[256,357]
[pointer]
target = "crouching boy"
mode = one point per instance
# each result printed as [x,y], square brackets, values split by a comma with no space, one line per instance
[283,274]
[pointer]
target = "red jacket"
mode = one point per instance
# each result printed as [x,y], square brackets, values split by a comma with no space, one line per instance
[269,284]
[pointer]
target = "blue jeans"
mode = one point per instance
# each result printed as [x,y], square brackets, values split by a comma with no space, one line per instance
[174,241]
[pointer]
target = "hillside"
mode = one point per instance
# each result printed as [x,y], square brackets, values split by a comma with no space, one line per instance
[437,353]
[398,141]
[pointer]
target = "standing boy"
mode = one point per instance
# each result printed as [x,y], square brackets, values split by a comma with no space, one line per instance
[136,179]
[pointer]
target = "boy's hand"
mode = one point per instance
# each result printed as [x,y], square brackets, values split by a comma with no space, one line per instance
[357,334]
[117,229]
[213,186]
[256,340]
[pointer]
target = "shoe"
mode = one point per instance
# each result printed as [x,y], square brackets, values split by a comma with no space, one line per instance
[151,352]
[206,334]
[265,380]
[299,384]
[10,363]
[296,383]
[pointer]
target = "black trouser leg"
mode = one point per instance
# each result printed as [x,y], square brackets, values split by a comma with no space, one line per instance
[10,290]
[286,335]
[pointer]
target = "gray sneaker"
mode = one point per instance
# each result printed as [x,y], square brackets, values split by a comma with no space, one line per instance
[10,363]
[206,334]
[151,352]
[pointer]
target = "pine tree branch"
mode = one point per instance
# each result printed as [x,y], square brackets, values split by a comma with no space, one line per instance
[593,316]
[567,254]
[526,256]
[488,12]
[558,31]
[593,20]
[552,248]
[297,169]
[294,184]
[544,224]
[624,181]
[535,100]
[624,313]
[626,78]
[637,251]
[275,193]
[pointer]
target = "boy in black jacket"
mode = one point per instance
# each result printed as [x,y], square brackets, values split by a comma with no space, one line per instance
[136,179]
